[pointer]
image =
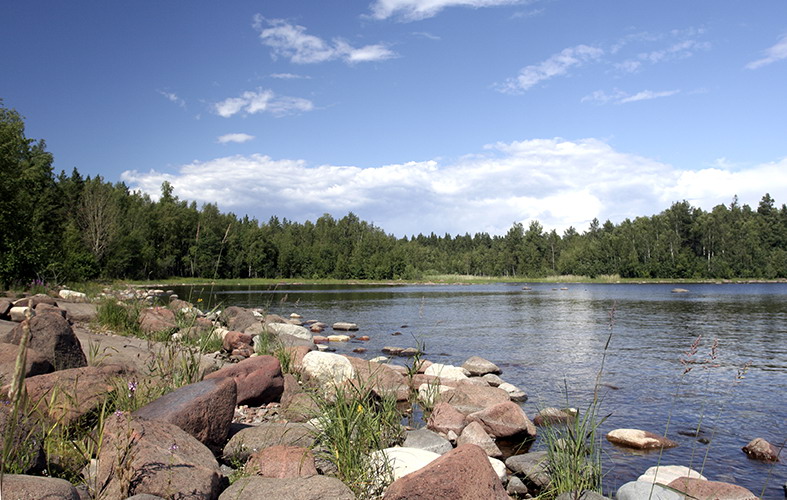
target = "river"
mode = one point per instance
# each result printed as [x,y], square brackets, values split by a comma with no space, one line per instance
[549,340]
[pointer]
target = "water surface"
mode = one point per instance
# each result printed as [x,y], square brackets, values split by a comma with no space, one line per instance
[550,341]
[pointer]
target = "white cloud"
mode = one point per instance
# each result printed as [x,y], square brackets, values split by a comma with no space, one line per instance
[289,76]
[621,97]
[414,10]
[263,100]
[173,97]
[556,65]
[239,138]
[679,50]
[558,182]
[772,54]
[292,42]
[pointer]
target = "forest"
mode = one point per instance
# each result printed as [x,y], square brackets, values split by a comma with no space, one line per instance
[61,228]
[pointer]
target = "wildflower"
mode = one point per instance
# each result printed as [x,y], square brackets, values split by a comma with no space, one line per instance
[199,300]
[360,408]
[132,388]
[174,447]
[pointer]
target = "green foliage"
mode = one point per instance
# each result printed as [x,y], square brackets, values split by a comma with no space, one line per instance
[120,317]
[352,423]
[69,228]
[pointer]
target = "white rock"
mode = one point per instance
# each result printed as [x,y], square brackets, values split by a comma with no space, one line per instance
[403,460]
[338,338]
[327,368]
[221,332]
[447,372]
[427,393]
[514,392]
[72,295]
[341,325]
[665,474]
[639,490]
[287,329]
[499,467]
[379,359]
[19,313]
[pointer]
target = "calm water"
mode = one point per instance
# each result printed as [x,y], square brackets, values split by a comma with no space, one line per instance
[549,341]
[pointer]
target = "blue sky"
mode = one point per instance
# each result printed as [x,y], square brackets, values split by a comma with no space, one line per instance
[418,115]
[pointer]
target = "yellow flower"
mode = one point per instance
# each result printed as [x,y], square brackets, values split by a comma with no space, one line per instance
[360,408]
[199,299]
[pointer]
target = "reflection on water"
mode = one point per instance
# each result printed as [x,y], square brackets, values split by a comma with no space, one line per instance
[550,342]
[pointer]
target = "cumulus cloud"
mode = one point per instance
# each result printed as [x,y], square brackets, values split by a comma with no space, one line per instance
[773,54]
[414,10]
[558,182]
[292,42]
[262,101]
[239,138]
[557,65]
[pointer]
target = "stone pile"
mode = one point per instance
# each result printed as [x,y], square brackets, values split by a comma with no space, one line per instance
[187,443]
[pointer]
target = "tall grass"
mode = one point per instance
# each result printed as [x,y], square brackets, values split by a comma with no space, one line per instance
[353,423]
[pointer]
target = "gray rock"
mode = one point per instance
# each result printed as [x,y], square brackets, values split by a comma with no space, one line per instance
[478,366]
[281,329]
[253,439]
[637,490]
[308,488]
[52,337]
[426,439]
[493,380]
[515,486]
[532,466]
[21,487]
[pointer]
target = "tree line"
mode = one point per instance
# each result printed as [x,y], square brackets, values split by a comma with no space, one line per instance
[67,227]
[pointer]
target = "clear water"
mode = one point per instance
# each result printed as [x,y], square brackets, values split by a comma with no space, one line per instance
[550,342]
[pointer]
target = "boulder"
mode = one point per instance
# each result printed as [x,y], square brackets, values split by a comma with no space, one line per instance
[504,421]
[493,379]
[282,461]
[21,487]
[25,452]
[514,392]
[760,449]
[79,311]
[403,460]
[699,488]
[33,301]
[237,318]
[344,326]
[20,313]
[447,372]
[338,338]
[281,329]
[236,340]
[381,379]
[470,398]
[258,379]
[552,416]
[43,308]
[253,439]
[474,433]
[639,490]
[68,395]
[425,439]
[639,439]
[445,418]
[36,364]
[72,295]
[5,307]
[307,488]
[462,474]
[157,319]
[204,409]
[665,474]
[478,366]
[144,456]
[296,404]
[326,369]
[517,487]
[533,467]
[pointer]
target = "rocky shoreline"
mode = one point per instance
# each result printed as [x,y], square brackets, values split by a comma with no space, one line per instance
[247,430]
